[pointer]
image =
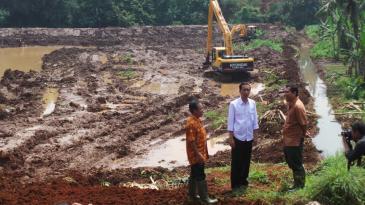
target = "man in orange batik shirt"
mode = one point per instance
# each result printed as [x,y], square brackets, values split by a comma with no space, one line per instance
[197,151]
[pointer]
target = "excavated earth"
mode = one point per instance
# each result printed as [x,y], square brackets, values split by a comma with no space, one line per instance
[129,87]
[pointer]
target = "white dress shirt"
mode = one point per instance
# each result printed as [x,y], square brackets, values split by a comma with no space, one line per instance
[242,119]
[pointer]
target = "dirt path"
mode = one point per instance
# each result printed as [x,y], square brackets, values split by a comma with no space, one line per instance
[113,102]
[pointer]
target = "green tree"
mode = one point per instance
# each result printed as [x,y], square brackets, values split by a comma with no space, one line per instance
[296,13]
[4,14]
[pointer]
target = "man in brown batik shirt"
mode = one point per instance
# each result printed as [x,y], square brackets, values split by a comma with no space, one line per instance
[294,131]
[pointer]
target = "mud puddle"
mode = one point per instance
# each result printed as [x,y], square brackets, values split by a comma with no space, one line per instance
[232,89]
[49,100]
[157,88]
[172,153]
[24,58]
[327,140]
[30,58]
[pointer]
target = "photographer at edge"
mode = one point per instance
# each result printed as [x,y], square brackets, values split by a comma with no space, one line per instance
[357,134]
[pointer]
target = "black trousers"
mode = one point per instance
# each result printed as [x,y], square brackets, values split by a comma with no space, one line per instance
[240,164]
[197,172]
[294,158]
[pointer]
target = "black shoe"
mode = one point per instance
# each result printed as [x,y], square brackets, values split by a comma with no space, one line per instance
[239,191]
[294,189]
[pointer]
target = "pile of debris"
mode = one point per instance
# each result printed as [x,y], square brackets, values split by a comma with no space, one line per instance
[272,121]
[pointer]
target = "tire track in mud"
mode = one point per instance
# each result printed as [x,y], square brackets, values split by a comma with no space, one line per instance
[98,121]
[84,139]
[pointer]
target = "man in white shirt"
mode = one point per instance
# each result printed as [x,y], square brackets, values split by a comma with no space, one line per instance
[242,124]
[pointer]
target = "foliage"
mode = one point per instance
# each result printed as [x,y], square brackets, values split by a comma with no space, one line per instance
[259,33]
[259,176]
[342,21]
[249,14]
[127,59]
[127,74]
[3,15]
[218,117]
[94,13]
[313,32]
[262,108]
[350,87]
[334,184]
[294,13]
[274,82]
[256,43]
[323,49]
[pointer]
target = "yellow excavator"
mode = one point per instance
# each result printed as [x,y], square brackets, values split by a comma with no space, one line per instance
[222,59]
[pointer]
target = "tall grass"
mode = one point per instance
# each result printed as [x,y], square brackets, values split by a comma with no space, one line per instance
[351,87]
[334,184]
[275,45]
[217,117]
[312,32]
[323,47]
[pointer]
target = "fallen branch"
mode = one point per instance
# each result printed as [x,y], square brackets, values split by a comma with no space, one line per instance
[311,113]
[348,113]
[356,107]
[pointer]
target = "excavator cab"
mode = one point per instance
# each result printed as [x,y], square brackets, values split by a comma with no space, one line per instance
[230,63]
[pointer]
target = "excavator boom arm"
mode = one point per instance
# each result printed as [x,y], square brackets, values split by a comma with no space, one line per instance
[215,9]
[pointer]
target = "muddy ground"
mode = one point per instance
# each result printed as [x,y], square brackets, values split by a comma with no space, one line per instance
[113,101]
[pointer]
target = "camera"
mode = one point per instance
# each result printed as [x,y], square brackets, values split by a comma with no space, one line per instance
[347,134]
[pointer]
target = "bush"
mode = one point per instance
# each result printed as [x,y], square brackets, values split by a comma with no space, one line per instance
[323,49]
[259,176]
[313,32]
[324,46]
[277,46]
[350,87]
[354,88]
[250,14]
[218,117]
[334,184]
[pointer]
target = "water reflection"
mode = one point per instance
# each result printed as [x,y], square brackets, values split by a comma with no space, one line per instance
[172,153]
[327,139]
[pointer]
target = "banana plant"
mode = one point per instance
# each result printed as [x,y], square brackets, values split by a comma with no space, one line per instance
[343,19]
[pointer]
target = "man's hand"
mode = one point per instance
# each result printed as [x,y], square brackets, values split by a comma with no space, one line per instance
[231,142]
[345,145]
[308,134]
[200,158]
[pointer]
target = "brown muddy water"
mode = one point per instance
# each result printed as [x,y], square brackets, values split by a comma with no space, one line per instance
[232,89]
[30,58]
[172,153]
[161,88]
[24,58]
[327,140]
